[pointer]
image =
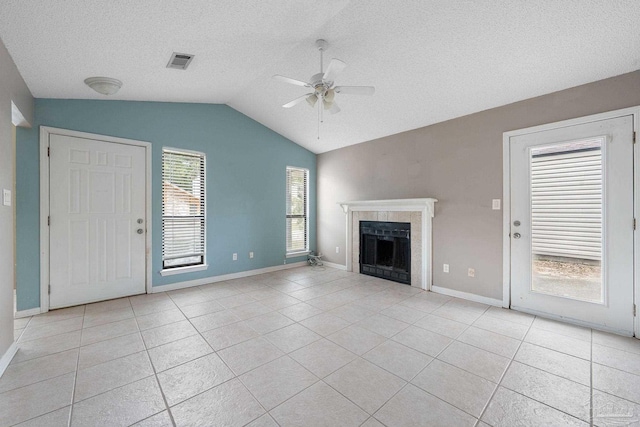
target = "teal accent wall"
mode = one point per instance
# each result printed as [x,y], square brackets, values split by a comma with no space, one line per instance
[245,180]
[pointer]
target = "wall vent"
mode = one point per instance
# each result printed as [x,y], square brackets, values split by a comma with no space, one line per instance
[180,61]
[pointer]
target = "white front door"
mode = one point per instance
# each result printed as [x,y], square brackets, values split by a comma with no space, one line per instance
[572,223]
[97,220]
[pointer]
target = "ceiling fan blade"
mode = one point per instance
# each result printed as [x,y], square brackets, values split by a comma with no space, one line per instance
[355,90]
[335,67]
[291,81]
[296,101]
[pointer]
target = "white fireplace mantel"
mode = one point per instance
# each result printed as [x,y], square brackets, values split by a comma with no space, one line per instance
[426,206]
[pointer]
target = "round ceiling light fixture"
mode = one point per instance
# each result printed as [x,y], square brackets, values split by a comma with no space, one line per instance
[104,85]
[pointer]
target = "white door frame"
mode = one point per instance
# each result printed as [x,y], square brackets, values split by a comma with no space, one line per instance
[506,195]
[45,132]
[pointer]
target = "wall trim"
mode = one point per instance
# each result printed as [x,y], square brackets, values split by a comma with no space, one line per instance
[7,357]
[334,265]
[45,133]
[27,313]
[467,296]
[222,278]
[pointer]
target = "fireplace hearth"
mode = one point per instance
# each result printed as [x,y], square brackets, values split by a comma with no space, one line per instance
[385,250]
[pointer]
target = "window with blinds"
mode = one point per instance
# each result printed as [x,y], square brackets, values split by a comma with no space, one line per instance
[297,210]
[183,220]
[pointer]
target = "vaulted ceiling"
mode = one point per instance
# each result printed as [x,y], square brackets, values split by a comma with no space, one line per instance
[430,60]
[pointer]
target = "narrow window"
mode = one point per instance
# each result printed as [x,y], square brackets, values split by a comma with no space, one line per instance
[183,223]
[297,210]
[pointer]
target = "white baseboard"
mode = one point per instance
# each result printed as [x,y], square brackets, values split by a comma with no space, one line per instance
[27,313]
[222,278]
[334,265]
[467,296]
[8,355]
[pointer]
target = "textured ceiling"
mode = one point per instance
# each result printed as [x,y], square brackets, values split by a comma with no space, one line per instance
[430,60]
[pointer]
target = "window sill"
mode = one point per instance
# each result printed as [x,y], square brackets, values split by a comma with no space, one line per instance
[297,254]
[180,270]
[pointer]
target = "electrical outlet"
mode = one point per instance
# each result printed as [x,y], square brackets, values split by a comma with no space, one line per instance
[250,254]
[6,197]
[337,249]
[471,272]
[495,204]
[445,268]
[235,256]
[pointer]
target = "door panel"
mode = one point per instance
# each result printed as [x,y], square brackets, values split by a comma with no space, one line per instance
[97,196]
[572,223]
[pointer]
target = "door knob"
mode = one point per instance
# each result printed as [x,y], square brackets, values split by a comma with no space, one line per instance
[139,231]
[516,235]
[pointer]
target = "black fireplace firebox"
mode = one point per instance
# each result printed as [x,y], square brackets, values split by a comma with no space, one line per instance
[385,250]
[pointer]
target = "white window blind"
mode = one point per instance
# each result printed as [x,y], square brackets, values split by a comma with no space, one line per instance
[183,216]
[297,210]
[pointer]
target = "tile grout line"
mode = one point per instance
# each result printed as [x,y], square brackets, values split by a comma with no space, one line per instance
[531,398]
[504,373]
[238,376]
[319,379]
[235,377]
[434,358]
[591,379]
[155,375]
[75,376]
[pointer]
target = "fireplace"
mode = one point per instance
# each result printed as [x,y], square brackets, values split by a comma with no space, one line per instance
[417,212]
[385,250]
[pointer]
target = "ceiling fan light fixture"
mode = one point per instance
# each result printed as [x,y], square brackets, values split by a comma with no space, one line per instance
[312,99]
[327,104]
[104,85]
[330,95]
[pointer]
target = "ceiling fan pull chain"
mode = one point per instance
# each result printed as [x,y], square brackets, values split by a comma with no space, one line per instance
[319,112]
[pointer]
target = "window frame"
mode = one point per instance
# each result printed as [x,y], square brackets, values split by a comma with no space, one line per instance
[169,271]
[306,250]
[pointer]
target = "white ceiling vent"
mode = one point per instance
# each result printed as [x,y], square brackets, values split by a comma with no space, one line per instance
[180,61]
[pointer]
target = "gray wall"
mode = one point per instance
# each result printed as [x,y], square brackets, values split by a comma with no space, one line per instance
[12,89]
[458,162]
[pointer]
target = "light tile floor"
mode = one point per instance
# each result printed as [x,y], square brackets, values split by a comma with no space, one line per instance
[314,347]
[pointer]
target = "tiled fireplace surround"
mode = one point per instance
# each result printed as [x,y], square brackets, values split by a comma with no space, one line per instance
[418,212]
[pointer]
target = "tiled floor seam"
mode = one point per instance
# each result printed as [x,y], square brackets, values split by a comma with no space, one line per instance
[512,359]
[281,403]
[75,374]
[155,375]
[409,382]
[437,397]
[214,352]
[504,372]
[591,379]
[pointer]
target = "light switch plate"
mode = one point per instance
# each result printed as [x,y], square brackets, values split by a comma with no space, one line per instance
[6,197]
[495,204]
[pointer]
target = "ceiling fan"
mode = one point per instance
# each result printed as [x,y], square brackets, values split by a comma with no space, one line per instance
[323,85]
